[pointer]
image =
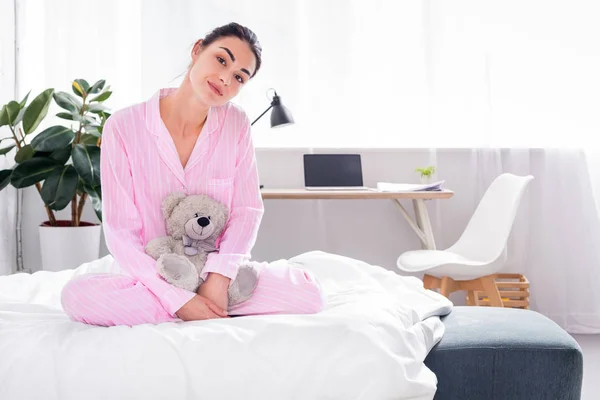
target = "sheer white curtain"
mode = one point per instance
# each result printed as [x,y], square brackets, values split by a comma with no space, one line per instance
[515,82]
[556,236]
[356,73]
[520,80]
[8,196]
[326,60]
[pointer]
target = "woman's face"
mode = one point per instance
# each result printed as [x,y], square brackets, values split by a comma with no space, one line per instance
[220,70]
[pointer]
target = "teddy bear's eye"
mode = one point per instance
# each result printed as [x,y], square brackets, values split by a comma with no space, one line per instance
[196,215]
[209,217]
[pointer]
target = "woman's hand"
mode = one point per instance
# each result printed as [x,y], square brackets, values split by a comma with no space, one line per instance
[216,288]
[200,308]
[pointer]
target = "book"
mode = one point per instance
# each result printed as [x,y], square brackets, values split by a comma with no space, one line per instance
[409,187]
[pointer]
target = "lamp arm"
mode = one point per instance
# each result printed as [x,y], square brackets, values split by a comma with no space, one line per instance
[271,106]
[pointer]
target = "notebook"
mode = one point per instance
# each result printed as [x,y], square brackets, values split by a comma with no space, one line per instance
[409,187]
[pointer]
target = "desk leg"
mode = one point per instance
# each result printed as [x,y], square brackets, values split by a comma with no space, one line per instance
[415,226]
[422,217]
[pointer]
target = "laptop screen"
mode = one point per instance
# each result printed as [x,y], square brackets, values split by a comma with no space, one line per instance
[332,170]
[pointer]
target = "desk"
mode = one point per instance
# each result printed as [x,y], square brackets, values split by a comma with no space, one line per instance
[421,225]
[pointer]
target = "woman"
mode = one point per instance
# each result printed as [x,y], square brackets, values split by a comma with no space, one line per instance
[189,139]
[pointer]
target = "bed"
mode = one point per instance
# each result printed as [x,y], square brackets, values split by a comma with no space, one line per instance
[369,343]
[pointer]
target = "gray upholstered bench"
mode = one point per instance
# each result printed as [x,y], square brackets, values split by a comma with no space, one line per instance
[505,354]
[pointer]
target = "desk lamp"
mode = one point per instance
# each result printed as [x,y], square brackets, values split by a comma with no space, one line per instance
[280,116]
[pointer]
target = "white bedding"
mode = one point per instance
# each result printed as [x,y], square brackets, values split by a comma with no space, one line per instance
[369,343]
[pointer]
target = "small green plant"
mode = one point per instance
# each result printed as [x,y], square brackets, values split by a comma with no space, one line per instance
[65,158]
[426,172]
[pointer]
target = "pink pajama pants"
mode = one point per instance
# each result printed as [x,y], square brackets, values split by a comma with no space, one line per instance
[110,299]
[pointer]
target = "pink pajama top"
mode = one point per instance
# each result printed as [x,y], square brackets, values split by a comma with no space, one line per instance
[140,166]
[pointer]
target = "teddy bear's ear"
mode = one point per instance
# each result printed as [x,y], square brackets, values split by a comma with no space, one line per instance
[170,202]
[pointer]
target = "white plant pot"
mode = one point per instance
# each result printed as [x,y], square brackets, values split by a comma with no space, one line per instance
[67,247]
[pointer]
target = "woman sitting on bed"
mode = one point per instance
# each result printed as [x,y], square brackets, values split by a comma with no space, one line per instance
[189,139]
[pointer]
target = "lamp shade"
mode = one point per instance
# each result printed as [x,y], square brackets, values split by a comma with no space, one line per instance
[280,115]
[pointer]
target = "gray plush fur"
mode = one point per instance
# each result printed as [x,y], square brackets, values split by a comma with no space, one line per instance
[193,224]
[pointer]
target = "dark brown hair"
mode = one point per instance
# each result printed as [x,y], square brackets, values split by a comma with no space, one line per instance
[241,32]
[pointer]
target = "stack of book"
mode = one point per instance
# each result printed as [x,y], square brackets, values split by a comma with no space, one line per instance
[409,187]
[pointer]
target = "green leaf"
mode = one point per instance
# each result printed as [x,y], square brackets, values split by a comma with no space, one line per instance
[77,89]
[59,187]
[70,117]
[37,111]
[24,154]
[20,116]
[93,131]
[24,101]
[86,160]
[12,112]
[80,186]
[32,171]
[87,119]
[3,116]
[84,84]
[53,138]
[90,139]
[102,96]
[95,194]
[80,87]
[64,101]
[97,107]
[97,87]
[61,156]
[5,178]
[5,150]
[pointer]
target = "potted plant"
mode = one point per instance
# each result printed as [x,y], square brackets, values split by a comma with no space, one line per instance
[426,173]
[63,162]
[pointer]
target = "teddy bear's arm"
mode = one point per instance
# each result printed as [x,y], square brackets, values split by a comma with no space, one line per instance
[159,246]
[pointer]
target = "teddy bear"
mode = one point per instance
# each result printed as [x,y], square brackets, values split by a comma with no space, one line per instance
[194,222]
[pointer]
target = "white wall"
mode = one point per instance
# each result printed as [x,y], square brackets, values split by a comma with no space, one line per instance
[553,241]
[372,230]
[556,225]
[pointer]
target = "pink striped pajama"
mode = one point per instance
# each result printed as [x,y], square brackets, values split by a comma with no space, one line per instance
[139,167]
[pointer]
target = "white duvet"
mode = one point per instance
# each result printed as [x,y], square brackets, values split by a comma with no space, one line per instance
[369,343]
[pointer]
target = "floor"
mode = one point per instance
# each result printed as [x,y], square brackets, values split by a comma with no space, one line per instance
[590,345]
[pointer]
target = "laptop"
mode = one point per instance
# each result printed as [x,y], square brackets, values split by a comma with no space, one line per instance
[333,172]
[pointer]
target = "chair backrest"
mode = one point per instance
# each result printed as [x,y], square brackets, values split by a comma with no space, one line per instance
[487,232]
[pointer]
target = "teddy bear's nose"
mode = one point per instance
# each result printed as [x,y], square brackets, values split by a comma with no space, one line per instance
[203,221]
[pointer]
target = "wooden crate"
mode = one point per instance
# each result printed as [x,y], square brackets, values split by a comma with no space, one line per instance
[514,291]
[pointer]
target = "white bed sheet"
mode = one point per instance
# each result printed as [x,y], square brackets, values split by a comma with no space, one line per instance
[369,343]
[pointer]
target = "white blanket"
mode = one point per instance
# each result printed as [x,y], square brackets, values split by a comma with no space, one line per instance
[369,343]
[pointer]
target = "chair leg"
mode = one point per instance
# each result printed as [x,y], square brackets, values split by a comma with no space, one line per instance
[430,282]
[445,287]
[490,289]
[471,301]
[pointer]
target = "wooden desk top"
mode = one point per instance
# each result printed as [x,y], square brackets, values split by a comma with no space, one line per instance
[299,194]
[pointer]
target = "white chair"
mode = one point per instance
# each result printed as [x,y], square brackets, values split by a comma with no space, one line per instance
[480,252]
